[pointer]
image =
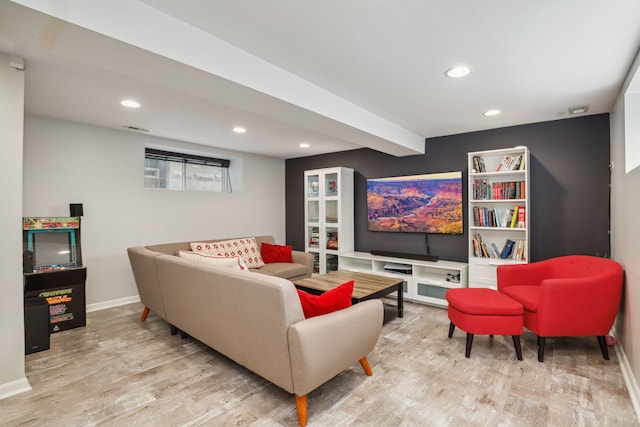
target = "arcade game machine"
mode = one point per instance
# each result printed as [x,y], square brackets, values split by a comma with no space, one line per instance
[53,277]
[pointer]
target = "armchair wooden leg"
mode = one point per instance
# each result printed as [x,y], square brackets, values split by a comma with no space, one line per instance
[451,328]
[603,346]
[145,313]
[467,352]
[365,365]
[540,349]
[301,406]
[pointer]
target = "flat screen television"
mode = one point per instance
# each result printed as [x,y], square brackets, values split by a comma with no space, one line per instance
[427,203]
[52,248]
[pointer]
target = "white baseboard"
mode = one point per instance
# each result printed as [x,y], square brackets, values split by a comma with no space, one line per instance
[629,379]
[14,387]
[112,303]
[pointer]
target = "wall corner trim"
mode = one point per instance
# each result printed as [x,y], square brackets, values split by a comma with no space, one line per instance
[629,379]
[14,387]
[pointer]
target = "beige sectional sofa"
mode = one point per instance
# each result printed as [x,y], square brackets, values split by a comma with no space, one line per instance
[255,318]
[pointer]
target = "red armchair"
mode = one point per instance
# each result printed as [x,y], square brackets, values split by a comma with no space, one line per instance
[575,295]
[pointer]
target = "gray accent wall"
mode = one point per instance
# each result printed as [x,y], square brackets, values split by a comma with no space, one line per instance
[569,187]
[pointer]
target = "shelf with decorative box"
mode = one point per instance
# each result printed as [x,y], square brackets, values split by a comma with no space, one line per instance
[328,216]
[424,281]
[498,210]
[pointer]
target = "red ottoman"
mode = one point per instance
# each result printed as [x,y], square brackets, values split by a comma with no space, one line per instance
[485,311]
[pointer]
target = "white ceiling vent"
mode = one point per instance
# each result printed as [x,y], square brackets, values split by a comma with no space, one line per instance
[578,109]
[137,129]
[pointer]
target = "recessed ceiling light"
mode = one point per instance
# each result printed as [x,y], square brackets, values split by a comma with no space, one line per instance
[239,129]
[305,145]
[458,71]
[130,103]
[493,112]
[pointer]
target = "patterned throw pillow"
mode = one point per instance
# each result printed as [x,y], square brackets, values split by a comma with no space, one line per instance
[235,262]
[246,248]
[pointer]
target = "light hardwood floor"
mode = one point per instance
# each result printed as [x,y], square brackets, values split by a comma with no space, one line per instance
[118,371]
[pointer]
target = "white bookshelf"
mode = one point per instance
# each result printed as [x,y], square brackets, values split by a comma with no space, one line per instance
[495,190]
[328,216]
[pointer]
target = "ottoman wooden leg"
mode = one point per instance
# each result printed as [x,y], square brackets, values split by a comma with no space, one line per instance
[540,349]
[467,352]
[451,328]
[516,344]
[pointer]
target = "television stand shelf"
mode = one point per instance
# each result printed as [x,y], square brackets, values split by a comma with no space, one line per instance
[405,255]
[424,281]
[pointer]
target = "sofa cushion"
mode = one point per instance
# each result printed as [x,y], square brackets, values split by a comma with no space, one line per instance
[283,269]
[275,253]
[328,302]
[247,248]
[232,262]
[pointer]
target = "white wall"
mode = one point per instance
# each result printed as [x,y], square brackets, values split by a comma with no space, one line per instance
[67,162]
[12,375]
[625,242]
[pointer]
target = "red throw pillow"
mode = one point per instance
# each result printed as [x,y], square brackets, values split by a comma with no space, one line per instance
[275,253]
[330,301]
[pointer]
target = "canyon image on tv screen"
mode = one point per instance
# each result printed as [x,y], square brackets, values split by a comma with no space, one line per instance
[427,203]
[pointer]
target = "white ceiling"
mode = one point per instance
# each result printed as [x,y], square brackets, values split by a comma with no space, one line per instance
[337,74]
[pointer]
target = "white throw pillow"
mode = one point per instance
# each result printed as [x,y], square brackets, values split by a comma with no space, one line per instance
[231,262]
[246,248]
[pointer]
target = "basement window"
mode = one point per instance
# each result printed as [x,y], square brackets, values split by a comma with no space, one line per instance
[186,172]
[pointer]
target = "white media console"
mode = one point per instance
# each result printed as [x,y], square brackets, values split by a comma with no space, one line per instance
[424,281]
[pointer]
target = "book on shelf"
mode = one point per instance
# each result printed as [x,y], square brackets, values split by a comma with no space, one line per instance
[478,164]
[511,163]
[495,250]
[522,217]
[506,250]
[504,218]
[480,189]
[516,163]
[500,218]
[503,190]
[502,166]
[332,240]
[514,217]
[482,249]
[519,255]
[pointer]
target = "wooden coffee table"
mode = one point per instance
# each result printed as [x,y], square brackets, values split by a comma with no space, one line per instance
[366,286]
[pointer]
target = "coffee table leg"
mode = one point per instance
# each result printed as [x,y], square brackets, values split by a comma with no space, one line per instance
[400,300]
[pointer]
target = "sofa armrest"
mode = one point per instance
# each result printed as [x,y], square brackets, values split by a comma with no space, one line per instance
[321,347]
[305,259]
[143,265]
